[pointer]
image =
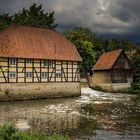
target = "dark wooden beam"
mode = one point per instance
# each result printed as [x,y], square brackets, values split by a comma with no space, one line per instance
[25,70]
[67,71]
[40,70]
[8,70]
[61,73]
[52,73]
[48,79]
[16,70]
[64,74]
[3,74]
[72,71]
[55,70]
[33,70]
[76,75]
[37,75]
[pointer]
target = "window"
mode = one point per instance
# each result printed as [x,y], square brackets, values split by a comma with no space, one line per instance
[47,63]
[12,74]
[12,61]
[58,75]
[28,60]
[29,74]
[44,75]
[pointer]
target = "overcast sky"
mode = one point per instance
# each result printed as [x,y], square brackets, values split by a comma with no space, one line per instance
[114,18]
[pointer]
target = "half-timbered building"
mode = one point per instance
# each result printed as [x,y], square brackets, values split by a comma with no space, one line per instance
[112,71]
[34,56]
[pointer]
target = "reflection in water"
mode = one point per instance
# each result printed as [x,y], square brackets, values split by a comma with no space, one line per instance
[94,115]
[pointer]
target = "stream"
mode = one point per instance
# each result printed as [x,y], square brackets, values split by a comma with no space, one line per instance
[92,116]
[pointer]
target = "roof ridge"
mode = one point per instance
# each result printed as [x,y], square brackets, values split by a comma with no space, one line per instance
[113,51]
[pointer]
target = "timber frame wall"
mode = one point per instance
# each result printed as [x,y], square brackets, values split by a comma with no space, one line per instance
[34,71]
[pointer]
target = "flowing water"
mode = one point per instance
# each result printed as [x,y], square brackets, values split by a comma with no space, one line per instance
[93,116]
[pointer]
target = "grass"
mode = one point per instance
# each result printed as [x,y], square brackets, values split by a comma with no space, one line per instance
[8,132]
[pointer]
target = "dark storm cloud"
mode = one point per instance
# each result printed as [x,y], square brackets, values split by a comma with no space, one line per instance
[113,17]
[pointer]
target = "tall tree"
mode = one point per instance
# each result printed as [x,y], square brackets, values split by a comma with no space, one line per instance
[83,40]
[36,17]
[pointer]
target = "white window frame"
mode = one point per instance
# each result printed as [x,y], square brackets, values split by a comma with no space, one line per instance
[47,63]
[44,75]
[12,75]
[58,75]
[29,75]
[28,60]
[12,61]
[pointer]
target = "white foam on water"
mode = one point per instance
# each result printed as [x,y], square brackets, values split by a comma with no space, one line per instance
[99,97]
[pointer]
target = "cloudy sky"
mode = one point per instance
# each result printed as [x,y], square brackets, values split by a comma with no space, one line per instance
[110,18]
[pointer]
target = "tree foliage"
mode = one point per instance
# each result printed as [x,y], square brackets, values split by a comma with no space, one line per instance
[91,47]
[135,61]
[5,20]
[82,39]
[35,16]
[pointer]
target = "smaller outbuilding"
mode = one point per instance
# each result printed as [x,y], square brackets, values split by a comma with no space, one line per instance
[112,71]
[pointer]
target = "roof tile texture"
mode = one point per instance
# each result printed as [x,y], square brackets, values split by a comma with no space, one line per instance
[29,42]
[107,60]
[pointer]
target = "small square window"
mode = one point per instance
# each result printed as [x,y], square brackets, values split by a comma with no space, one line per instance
[47,63]
[29,74]
[44,75]
[58,75]
[12,61]
[28,60]
[12,74]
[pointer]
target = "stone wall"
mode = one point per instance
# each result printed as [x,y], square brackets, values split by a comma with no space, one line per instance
[112,87]
[119,86]
[26,91]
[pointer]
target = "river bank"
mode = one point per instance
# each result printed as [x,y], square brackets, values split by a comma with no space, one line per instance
[134,90]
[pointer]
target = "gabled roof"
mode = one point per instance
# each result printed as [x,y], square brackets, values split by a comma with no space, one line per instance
[30,42]
[107,60]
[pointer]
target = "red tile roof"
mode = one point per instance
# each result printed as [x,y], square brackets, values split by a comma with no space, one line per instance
[107,60]
[30,42]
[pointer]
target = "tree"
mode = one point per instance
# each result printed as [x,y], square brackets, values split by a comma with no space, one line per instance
[88,56]
[83,39]
[135,61]
[91,47]
[36,17]
[5,20]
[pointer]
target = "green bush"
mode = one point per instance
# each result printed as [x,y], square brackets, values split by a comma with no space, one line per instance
[8,132]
